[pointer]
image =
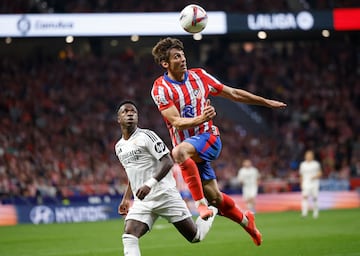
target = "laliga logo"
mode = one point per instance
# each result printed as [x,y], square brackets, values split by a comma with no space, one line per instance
[303,20]
[42,214]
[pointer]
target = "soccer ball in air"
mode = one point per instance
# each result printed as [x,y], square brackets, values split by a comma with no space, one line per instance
[193,18]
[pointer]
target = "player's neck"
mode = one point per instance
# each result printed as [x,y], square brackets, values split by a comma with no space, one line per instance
[179,77]
[127,132]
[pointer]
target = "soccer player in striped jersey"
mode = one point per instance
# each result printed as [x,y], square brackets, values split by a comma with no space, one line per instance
[147,163]
[181,96]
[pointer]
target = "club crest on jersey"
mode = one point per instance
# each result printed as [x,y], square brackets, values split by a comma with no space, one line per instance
[197,93]
[188,111]
[159,147]
[212,89]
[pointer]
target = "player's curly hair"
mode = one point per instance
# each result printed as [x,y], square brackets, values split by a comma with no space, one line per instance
[161,50]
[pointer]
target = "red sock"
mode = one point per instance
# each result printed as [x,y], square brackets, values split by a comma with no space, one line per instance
[191,176]
[228,209]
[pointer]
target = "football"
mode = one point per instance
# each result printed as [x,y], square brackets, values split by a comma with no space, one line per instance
[193,18]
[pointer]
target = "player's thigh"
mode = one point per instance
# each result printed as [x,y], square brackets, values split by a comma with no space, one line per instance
[306,191]
[135,228]
[315,192]
[184,151]
[212,192]
[142,212]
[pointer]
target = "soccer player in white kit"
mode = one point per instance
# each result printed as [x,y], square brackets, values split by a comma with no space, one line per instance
[310,173]
[147,163]
[248,176]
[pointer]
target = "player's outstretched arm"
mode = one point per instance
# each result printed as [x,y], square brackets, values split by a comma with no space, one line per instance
[243,96]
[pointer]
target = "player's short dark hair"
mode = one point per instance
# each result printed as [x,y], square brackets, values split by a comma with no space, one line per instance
[161,50]
[122,103]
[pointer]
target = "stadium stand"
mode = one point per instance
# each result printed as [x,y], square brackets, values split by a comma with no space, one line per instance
[58,126]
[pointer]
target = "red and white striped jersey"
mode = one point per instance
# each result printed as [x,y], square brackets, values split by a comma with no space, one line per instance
[189,97]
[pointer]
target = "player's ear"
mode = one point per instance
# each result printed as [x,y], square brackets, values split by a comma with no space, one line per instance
[164,64]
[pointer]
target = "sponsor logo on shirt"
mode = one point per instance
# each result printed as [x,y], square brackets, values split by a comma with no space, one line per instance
[188,111]
[159,147]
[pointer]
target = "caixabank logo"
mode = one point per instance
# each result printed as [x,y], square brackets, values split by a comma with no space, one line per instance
[45,25]
[24,25]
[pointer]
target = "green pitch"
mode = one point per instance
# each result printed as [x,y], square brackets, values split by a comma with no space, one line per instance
[335,233]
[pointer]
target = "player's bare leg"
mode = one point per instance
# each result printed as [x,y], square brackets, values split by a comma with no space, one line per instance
[195,232]
[133,231]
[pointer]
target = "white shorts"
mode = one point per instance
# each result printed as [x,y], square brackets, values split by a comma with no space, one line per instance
[249,192]
[168,205]
[310,190]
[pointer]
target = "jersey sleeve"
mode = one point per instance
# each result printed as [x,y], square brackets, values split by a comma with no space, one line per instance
[215,86]
[160,95]
[155,144]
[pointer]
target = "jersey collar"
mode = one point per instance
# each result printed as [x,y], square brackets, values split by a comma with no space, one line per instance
[167,78]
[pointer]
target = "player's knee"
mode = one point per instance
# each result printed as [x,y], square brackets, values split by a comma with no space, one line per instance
[178,154]
[129,239]
[215,201]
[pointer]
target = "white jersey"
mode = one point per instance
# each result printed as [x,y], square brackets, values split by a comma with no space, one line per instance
[139,156]
[248,176]
[308,170]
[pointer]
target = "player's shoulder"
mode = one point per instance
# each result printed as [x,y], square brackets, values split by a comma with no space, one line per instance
[148,134]
[198,71]
[158,81]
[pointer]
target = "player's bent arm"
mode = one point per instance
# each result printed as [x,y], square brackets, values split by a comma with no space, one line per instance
[166,163]
[128,192]
[124,205]
[246,97]
[182,123]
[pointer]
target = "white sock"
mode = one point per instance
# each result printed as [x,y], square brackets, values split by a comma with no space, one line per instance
[304,207]
[131,245]
[203,226]
[244,221]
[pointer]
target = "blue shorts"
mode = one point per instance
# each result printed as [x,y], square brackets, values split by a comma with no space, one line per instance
[208,147]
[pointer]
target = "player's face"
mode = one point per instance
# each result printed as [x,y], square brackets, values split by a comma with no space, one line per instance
[309,156]
[128,115]
[177,62]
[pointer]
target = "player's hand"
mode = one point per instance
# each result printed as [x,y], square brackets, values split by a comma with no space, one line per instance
[142,192]
[275,104]
[123,207]
[209,111]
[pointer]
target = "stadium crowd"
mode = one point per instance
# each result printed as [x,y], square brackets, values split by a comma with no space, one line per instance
[58,126]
